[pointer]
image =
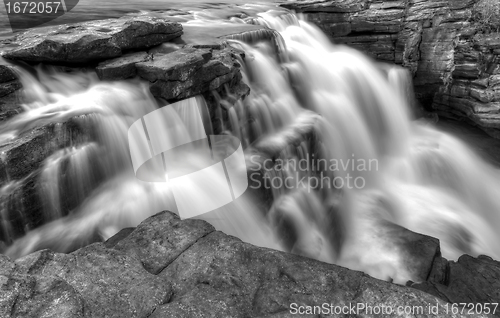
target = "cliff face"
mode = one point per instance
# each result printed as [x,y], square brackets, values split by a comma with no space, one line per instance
[453,62]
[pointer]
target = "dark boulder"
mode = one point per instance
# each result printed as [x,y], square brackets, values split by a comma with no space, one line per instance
[190,71]
[469,280]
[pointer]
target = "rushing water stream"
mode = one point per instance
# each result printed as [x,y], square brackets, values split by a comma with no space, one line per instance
[394,170]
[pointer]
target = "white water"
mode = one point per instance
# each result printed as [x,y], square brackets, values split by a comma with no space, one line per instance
[425,180]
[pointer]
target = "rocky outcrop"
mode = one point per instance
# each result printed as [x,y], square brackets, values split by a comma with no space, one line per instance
[469,281]
[473,88]
[190,71]
[91,41]
[172,268]
[121,67]
[453,63]
[9,84]
[175,70]
[21,161]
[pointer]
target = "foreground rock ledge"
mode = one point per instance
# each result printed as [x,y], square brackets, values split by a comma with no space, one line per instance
[172,268]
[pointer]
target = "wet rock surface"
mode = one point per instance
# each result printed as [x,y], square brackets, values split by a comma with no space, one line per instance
[91,41]
[121,67]
[453,62]
[469,280]
[9,85]
[189,71]
[21,161]
[39,143]
[172,268]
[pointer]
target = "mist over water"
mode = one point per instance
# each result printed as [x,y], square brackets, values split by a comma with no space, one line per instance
[421,179]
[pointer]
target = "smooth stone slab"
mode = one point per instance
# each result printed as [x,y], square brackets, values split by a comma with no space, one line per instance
[92,41]
[121,67]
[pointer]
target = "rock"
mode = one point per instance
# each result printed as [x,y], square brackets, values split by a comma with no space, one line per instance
[190,71]
[7,73]
[236,279]
[9,84]
[195,36]
[92,41]
[9,87]
[123,233]
[91,282]
[121,67]
[10,105]
[156,247]
[342,6]
[19,173]
[418,251]
[204,273]
[176,66]
[469,280]
[27,296]
[40,143]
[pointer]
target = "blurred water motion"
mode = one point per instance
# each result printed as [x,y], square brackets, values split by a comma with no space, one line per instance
[424,180]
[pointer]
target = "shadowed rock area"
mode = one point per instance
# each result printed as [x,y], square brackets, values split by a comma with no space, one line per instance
[172,268]
[469,280]
[9,84]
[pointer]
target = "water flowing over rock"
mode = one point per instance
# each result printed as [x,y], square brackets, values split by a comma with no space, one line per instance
[202,272]
[91,41]
[9,84]
[453,62]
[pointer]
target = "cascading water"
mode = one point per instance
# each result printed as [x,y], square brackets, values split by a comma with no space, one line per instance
[400,171]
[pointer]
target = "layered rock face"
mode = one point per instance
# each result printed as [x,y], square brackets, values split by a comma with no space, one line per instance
[90,41]
[453,63]
[171,268]
[468,280]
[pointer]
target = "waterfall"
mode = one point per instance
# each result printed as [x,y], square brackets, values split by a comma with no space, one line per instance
[349,118]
